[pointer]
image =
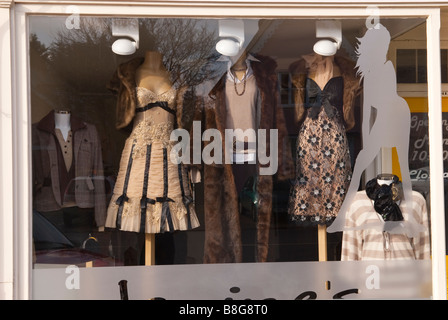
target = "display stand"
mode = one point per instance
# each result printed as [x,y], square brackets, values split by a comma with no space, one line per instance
[150,251]
[322,242]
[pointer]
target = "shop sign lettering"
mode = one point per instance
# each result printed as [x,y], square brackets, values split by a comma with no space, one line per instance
[212,153]
[419,146]
[72,281]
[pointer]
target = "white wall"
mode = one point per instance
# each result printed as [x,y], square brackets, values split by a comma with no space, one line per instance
[6,178]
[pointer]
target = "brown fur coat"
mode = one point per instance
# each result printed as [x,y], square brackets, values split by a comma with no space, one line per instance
[352,87]
[222,222]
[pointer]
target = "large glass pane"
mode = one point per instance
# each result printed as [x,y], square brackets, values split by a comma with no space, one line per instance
[172,143]
[406,65]
[421,66]
[444,65]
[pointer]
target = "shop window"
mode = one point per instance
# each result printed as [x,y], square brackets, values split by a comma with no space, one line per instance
[107,190]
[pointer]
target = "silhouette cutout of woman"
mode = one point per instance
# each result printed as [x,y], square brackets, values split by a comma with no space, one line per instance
[390,127]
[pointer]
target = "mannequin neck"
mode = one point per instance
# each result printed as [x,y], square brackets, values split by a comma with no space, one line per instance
[386,179]
[241,62]
[383,181]
[62,122]
[153,62]
[239,68]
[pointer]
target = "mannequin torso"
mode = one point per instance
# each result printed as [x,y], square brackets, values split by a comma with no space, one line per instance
[152,74]
[153,79]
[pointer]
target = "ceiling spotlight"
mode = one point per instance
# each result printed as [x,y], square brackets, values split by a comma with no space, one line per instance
[124,47]
[325,47]
[233,33]
[127,28]
[330,29]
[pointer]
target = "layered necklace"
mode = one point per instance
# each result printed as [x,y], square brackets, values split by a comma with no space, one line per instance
[234,80]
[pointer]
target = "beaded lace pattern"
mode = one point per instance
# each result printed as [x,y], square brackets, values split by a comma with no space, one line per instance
[148,131]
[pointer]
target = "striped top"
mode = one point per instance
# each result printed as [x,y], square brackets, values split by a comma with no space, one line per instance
[373,244]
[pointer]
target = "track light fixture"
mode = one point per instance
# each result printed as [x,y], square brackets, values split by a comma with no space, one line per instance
[233,33]
[127,28]
[328,29]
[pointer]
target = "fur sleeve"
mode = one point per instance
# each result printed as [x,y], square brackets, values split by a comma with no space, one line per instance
[298,74]
[352,88]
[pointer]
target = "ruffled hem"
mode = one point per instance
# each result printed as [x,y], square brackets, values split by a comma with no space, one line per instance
[178,217]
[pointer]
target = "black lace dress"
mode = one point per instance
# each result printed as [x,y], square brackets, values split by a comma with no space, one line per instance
[323,160]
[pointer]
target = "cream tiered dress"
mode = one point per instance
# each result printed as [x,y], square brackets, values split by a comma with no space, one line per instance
[152,193]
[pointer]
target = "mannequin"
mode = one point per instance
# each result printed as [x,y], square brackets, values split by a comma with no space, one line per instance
[68,174]
[367,236]
[326,87]
[151,194]
[242,97]
[221,110]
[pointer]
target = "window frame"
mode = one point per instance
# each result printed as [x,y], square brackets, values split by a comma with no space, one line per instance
[20,136]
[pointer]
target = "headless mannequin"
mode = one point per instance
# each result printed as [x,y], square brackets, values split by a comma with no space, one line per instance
[241,105]
[329,71]
[153,76]
[239,70]
[62,122]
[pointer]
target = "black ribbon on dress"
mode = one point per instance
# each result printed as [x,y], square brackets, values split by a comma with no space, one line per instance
[384,198]
[164,199]
[316,97]
[124,198]
[166,213]
[145,200]
[187,200]
[160,104]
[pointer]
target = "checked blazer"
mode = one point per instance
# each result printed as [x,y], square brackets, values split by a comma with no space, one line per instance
[88,182]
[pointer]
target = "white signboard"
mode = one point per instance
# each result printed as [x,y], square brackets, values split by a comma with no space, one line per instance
[254,281]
